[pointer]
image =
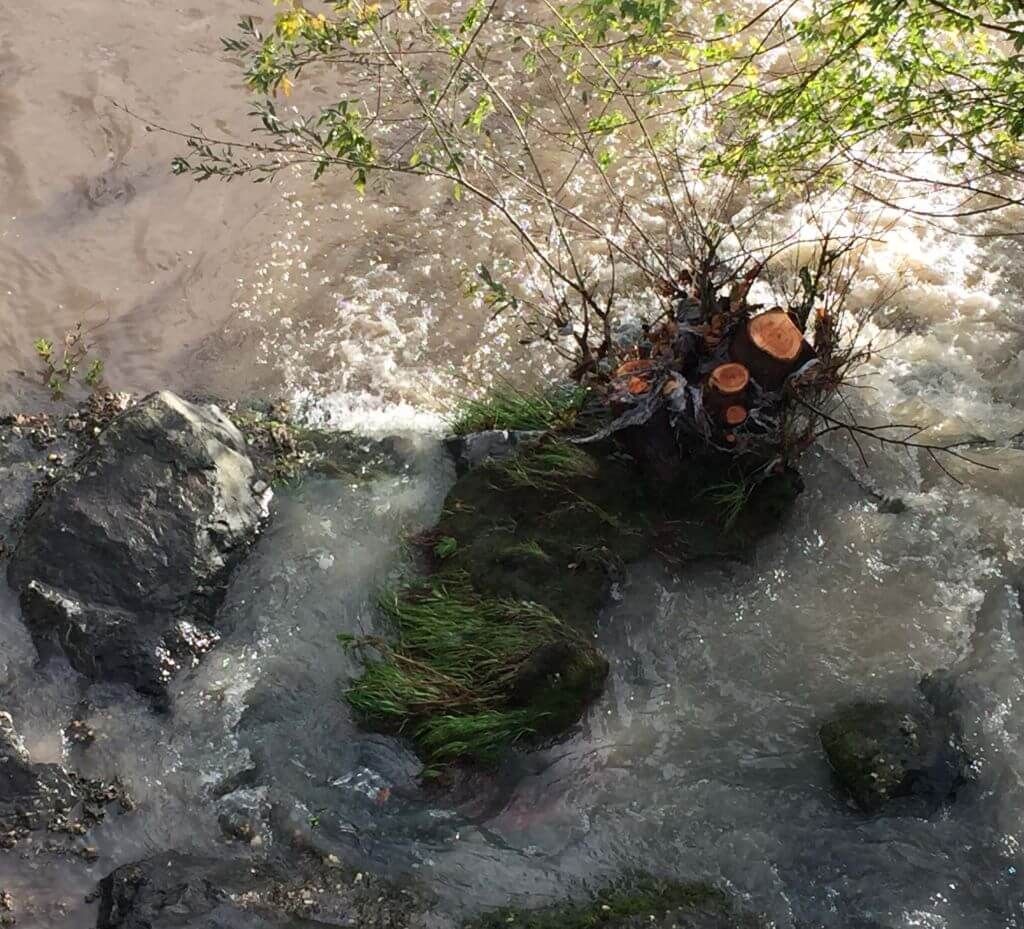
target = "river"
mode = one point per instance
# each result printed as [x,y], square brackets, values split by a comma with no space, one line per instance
[701,760]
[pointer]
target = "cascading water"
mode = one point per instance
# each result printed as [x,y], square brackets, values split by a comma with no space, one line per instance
[701,760]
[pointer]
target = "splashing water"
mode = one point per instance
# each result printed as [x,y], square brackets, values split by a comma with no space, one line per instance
[701,759]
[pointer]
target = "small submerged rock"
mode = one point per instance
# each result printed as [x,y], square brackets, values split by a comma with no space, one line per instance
[893,758]
[175,891]
[123,564]
[638,902]
[244,815]
[285,449]
[34,797]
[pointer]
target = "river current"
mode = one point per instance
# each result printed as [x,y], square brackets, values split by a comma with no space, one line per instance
[701,760]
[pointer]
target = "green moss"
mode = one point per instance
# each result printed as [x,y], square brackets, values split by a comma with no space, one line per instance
[284,451]
[508,407]
[467,675]
[632,902]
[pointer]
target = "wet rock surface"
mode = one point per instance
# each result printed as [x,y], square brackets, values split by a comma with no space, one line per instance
[174,891]
[895,759]
[36,797]
[478,448]
[32,451]
[284,448]
[123,564]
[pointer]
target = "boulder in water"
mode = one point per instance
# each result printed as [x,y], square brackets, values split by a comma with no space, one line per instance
[123,565]
[477,448]
[893,758]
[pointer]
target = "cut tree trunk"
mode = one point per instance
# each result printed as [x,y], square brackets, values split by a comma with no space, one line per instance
[771,346]
[736,415]
[729,380]
[726,388]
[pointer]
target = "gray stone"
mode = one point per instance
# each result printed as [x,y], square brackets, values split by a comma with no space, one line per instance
[471,451]
[123,565]
[244,815]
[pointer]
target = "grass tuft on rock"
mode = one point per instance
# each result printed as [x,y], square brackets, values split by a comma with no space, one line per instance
[466,676]
[630,902]
[550,465]
[508,407]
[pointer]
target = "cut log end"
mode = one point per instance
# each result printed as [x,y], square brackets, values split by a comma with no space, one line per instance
[729,379]
[735,415]
[775,334]
[770,346]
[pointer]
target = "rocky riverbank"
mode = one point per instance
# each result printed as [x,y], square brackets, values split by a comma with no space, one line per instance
[126,526]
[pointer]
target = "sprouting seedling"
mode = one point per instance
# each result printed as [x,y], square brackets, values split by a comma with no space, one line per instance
[59,369]
[94,376]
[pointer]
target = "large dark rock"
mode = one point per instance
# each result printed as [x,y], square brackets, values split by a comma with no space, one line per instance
[895,759]
[174,891]
[123,565]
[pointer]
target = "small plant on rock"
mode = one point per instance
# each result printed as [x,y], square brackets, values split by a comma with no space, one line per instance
[467,675]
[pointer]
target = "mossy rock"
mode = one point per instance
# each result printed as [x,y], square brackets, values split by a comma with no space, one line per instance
[495,649]
[285,450]
[894,758]
[635,903]
[468,675]
[560,539]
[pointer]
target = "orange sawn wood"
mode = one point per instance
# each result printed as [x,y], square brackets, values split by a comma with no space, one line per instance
[736,415]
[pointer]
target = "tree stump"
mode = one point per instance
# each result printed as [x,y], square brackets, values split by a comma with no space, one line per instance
[735,415]
[725,392]
[770,346]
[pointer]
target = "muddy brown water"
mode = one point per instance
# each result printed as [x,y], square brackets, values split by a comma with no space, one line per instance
[701,758]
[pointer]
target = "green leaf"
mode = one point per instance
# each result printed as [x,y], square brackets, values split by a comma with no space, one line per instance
[484,107]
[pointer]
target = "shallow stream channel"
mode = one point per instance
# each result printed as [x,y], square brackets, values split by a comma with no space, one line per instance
[701,761]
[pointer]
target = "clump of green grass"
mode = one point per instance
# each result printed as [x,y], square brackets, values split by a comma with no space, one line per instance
[448,678]
[629,899]
[546,466]
[508,407]
[730,499]
[446,547]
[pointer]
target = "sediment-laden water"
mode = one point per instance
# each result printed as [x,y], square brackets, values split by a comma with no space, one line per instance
[701,760]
